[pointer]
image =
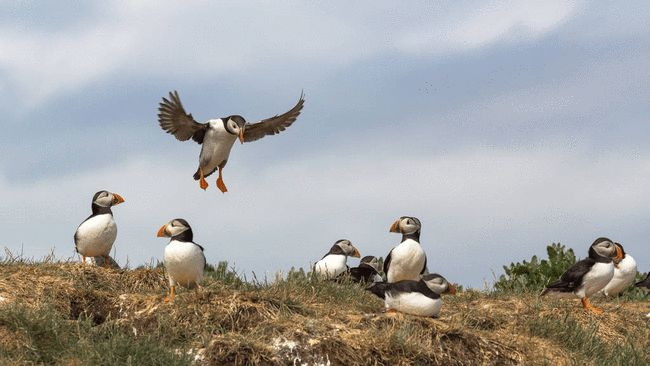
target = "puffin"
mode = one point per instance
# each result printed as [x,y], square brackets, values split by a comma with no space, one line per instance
[184,259]
[96,234]
[367,271]
[218,135]
[624,275]
[421,297]
[645,284]
[407,261]
[334,263]
[590,275]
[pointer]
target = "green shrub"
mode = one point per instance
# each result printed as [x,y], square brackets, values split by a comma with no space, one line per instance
[536,274]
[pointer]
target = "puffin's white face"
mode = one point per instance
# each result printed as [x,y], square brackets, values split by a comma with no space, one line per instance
[438,284]
[406,225]
[107,199]
[173,228]
[348,248]
[607,248]
[236,126]
[371,261]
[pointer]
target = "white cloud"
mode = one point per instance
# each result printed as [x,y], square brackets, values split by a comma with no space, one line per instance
[194,42]
[480,209]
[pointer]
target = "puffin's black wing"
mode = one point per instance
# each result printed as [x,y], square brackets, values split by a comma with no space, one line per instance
[273,125]
[572,278]
[387,262]
[424,268]
[645,283]
[379,289]
[362,274]
[173,119]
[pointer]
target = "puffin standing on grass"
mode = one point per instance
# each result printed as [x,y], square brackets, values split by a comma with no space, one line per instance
[184,259]
[407,261]
[96,234]
[624,274]
[421,298]
[589,275]
[218,135]
[334,263]
[367,271]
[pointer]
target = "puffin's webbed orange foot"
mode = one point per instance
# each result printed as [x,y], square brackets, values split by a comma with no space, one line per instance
[221,185]
[587,306]
[170,298]
[203,184]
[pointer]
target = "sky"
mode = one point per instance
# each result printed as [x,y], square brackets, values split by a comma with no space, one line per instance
[503,125]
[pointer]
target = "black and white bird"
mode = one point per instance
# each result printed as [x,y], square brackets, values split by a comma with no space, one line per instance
[218,135]
[422,297]
[367,271]
[624,275]
[588,276]
[184,259]
[334,263]
[407,261]
[96,234]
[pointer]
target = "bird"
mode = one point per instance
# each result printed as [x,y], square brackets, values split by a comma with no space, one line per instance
[96,234]
[407,261]
[218,135]
[645,284]
[334,263]
[184,259]
[367,271]
[421,297]
[590,275]
[624,275]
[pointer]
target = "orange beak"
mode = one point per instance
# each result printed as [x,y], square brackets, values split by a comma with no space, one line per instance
[356,253]
[451,290]
[162,232]
[619,254]
[241,135]
[394,228]
[119,199]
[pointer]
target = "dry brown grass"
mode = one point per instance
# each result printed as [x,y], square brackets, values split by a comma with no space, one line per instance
[317,322]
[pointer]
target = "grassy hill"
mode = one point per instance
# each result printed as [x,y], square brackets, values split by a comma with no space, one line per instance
[68,314]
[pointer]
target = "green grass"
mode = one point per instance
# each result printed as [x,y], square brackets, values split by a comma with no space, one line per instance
[51,338]
[584,342]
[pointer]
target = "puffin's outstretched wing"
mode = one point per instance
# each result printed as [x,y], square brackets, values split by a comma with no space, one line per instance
[273,125]
[173,119]
[572,278]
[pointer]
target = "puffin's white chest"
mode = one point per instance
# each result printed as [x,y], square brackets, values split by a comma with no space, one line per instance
[413,303]
[406,261]
[596,279]
[95,236]
[184,263]
[217,144]
[331,266]
[624,276]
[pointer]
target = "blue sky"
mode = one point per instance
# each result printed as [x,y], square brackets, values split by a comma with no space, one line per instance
[503,126]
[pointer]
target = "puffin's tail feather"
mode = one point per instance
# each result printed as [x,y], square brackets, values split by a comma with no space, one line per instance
[197,175]
[557,286]
[379,289]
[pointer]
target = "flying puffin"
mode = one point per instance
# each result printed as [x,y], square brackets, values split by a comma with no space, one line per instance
[589,275]
[407,261]
[184,259]
[624,274]
[334,263]
[96,234]
[367,271]
[645,284]
[421,297]
[218,135]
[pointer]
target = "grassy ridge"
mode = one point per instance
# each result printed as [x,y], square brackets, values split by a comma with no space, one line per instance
[64,313]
